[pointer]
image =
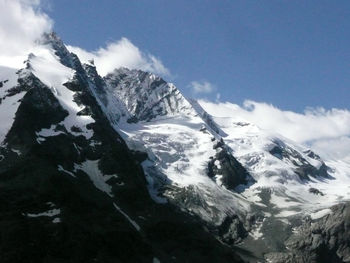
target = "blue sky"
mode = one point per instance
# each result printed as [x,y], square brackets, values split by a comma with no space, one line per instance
[292,54]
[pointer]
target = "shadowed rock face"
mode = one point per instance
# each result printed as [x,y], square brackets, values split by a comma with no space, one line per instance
[38,101]
[230,171]
[320,241]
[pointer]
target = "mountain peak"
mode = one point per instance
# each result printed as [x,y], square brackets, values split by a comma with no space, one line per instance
[67,58]
[146,95]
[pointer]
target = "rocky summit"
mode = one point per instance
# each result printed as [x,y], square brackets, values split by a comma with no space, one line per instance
[124,168]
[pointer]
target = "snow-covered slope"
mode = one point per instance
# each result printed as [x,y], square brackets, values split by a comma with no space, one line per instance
[180,144]
[289,181]
[292,182]
[287,168]
[181,139]
[158,120]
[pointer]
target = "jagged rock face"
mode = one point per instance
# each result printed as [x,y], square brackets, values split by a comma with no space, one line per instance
[324,240]
[303,168]
[145,95]
[66,58]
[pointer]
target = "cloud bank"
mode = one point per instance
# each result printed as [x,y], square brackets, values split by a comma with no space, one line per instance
[121,53]
[325,131]
[22,22]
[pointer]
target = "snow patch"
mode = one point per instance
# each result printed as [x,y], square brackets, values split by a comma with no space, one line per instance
[49,132]
[49,213]
[321,213]
[217,164]
[256,232]
[56,220]
[18,152]
[61,169]
[134,224]
[90,167]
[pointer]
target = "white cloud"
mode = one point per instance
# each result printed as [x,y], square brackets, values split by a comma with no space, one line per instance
[121,53]
[201,87]
[327,131]
[21,23]
[333,148]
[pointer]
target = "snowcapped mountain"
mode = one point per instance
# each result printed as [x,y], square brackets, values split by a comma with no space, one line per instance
[126,159]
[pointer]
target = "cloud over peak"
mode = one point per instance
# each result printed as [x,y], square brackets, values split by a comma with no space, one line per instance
[121,53]
[21,23]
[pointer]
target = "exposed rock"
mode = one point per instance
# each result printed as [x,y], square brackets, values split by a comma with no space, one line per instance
[303,168]
[145,95]
[38,101]
[320,241]
[226,169]
[316,191]
[232,230]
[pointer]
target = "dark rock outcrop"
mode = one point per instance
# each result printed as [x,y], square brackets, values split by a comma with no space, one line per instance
[231,172]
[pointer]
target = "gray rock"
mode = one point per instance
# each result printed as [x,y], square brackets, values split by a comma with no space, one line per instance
[321,241]
[145,95]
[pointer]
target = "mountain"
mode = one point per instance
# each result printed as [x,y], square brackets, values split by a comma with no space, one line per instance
[71,189]
[124,168]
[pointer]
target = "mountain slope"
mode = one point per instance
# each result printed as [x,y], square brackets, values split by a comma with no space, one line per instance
[71,190]
[292,182]
[181,147]
[192,163]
